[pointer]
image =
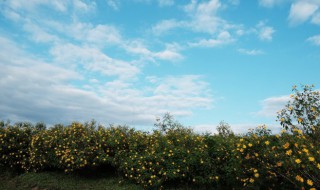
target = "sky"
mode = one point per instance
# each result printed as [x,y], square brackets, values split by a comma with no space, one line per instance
[131,61]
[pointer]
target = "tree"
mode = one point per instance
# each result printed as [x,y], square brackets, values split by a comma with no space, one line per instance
[167,123]
[302,111]
[224,129]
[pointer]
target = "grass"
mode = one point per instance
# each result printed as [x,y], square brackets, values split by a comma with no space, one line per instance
[83,180]
[58,180]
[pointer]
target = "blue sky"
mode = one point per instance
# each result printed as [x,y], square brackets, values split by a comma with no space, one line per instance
[131,61]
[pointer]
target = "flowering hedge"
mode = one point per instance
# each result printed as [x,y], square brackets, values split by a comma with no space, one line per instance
[176,156]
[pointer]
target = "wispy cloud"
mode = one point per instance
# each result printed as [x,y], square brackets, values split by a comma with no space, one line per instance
[92,59]
[204,16]
[114,4]
[222,39]
[163,3]
[166,25]
[271,3]
[237,128]
[314,40]
[270,106]
[303,10]
[265,32]
[250,52]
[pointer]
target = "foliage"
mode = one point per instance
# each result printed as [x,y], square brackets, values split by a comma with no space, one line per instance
[302,112]
[224,129]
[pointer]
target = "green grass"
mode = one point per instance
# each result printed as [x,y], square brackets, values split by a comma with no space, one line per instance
[57,180]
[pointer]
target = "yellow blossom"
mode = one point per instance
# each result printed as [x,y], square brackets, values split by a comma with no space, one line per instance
[285,146]
[311,159]
[299,178]
[309,182]
[298,161]
[267,142]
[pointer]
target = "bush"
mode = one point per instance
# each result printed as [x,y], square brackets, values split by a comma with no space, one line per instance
[170,155]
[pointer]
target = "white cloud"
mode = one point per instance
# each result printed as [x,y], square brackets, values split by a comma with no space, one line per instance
[237,128]
[267,3]
[316,18]
[234,2]
[271,3]
[222,39]
[302,10]
[114,4]
[270,106]
[163,3]
[94,60]
[265,33]
[137,47]
[34,90]
[104,34]
[61,6]
[166,25]
[250,52]
[168,55]
[39,34]
[204,16]
[314,40]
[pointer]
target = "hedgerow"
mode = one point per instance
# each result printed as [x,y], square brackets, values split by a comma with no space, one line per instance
[172,154]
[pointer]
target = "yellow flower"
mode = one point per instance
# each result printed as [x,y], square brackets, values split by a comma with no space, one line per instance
[250,145]
[285,146]
[313,188]
[298,161]
[300,120]
[299,178]
[267,142]
[282,119]
[244,146]
[318,166]
[256,175]
[309,182]
[311,159]
[251,180]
